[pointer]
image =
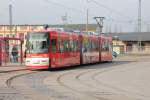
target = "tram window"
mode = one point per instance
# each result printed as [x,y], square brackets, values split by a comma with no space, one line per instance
[61,46]
[53,43]
[75,46]
[44,44]
[94,46]
[105,46]
[71,45]
[110,47]
[66,46]
[97,46]
[90,46]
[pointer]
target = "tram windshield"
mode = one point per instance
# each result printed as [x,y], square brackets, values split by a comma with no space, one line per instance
[37,42]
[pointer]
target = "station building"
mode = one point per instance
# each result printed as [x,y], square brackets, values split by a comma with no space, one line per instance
[14,36]
[131,43]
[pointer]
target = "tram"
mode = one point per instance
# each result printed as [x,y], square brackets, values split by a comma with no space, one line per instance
[50,49]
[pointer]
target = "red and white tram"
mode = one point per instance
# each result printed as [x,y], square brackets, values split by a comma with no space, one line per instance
[53,49]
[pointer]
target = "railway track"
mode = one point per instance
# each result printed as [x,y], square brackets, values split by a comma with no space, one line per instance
[77,91]
[8,92]
[90,81]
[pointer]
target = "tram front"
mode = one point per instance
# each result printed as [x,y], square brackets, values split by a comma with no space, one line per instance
[37,50]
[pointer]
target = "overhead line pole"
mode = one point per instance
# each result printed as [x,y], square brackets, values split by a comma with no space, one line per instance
[10,19]
[87,22]
[139,24]
[99,21]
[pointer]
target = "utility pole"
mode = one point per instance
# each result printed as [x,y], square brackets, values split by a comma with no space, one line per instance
[10,19]
[139,24]
[116,28]
[139,17]
[109,29]
[64,20]
[87,22]
[148,27]
[99,21]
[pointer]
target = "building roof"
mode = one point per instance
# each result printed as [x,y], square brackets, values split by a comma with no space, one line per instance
[132,36]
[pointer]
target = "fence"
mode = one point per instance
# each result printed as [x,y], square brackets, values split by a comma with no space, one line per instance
[132,49]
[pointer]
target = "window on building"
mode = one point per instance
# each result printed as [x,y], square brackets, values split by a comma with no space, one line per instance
[8,27]
[23,27]
[34,27]
[1,35]
[129,47]
[1,27]
[142,46]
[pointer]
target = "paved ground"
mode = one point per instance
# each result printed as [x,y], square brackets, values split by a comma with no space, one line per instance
[12,67]
[127,78]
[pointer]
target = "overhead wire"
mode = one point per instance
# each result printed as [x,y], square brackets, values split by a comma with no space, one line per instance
[73,10]
[110,9]
[100,5]
[64,6]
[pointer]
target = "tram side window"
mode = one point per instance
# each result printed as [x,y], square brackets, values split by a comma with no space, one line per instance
[94,46]
[61,46]
[87,46]
[53,43]
[110,47]
[91,46]
[66,46]
[71,45]
[75,46]
[105,46]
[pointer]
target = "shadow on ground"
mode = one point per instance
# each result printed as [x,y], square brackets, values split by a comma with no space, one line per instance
[93,66]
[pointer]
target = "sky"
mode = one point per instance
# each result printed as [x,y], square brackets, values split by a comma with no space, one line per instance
[120,15]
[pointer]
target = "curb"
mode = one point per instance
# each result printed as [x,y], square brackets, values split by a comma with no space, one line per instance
[1,71]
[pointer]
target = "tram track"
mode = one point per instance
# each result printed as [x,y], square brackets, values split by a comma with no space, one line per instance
[75,75]
[77,84]
[93,79]
[8,81]
[8,92]
[87,95]
[125,92]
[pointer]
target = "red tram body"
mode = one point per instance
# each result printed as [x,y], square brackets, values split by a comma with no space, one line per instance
[53,49]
